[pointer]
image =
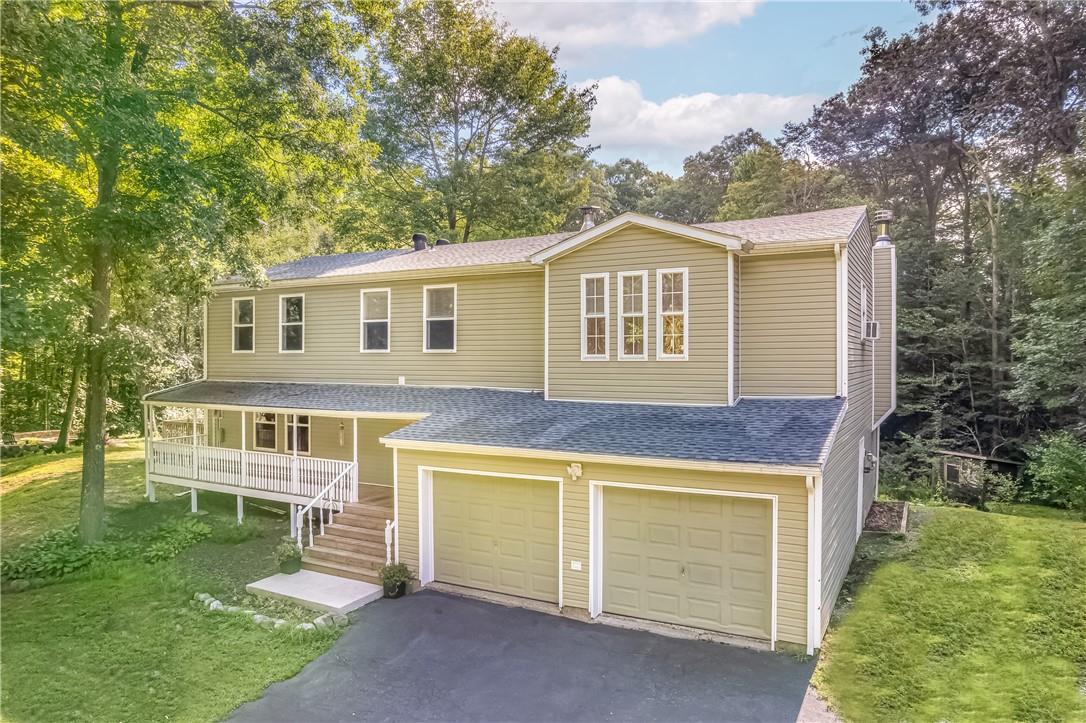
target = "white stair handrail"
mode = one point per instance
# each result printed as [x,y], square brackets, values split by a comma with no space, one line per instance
[308,509]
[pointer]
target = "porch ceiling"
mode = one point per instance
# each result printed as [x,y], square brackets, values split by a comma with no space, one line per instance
[766,431]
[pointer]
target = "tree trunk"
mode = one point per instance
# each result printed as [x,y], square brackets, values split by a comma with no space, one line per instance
[69,406]
[92,503]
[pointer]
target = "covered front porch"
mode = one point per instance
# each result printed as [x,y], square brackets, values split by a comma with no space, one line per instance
[315,462]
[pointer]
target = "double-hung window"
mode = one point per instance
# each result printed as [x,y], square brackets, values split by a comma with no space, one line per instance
[244,324]
[439,318]
[376,316]
[292,323]
[633,308]
[672,302]
[298,424]
[264,431]
[595,317]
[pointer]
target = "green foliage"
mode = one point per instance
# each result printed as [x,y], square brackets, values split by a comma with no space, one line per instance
[978,617]
[230,533]
[479,130]
[394,574]
[59,552]
[287,550]
[1058,469]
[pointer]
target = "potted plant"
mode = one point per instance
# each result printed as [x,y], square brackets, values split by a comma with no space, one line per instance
[289,556]
[394,578]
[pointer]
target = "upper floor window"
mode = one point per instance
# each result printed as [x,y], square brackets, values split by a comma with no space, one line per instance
[376,314]
[595,316]
[633,312]
[298,425]
[672,328]
[292,323]
[264,431]
[244,322]
[439,318]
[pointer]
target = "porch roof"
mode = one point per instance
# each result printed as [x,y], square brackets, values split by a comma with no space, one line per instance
[767,431]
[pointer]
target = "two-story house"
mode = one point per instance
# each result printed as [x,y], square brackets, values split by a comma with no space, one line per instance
[642,419]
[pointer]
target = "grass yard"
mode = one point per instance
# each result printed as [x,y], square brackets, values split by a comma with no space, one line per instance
[121,642]
[973,617]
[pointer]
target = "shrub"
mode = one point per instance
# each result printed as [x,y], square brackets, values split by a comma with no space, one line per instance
[287,550]
[394,574]
[232,534]
[58,552]
[1058,469]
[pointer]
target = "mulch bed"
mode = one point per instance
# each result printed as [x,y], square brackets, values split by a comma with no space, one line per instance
[887,517]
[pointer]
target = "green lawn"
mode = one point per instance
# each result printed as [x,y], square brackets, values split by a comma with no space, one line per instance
[973,617]
[122,642]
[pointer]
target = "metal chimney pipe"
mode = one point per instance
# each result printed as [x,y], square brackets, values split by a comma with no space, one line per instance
[588,216]
[420,241]
[882,227]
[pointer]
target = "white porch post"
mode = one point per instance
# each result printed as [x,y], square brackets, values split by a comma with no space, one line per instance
[293,519]
[244,454]
[194,468]
[152,431]
[294,453]
[354,445]
[241,509]
[192,494]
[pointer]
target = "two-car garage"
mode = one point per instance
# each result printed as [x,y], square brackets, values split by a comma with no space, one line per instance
[696,558]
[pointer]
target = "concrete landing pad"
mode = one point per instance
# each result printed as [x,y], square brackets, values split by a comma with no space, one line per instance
[327,593]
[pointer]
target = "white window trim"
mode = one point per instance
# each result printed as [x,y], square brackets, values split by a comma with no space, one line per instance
[622,316]
[308,425]
[299,323]
[660,355]
[274,423]
[234,325]
[362,320]
[606,356]
[427,318]
[863,310]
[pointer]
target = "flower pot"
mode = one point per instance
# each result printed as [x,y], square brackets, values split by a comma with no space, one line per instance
[395,590]
[289,567]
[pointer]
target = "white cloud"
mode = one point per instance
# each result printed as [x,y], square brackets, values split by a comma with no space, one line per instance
[624,122]
[578,27]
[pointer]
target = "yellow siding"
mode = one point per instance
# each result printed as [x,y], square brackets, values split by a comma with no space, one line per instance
[788,333]
[499,336]
[840,472]
[701,379]
[884,314]
[792,532]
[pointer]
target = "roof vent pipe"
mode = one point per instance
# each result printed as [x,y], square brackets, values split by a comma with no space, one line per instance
[420,241]
[441,242]
[882,227]
[588,216]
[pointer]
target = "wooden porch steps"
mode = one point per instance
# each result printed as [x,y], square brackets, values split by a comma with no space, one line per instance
[353,546]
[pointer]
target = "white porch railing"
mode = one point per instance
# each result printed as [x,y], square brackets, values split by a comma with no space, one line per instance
[283,474]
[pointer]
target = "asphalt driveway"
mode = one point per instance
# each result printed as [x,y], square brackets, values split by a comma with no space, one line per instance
[432,656]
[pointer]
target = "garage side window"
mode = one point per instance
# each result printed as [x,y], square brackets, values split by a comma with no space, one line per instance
[244,324]
[633,312]
[439,318]
[595,314]
[292,323]
[376,315]
[264,431]
[672,329]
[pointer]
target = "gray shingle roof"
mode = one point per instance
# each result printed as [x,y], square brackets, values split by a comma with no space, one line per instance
[770,431]
[836,223]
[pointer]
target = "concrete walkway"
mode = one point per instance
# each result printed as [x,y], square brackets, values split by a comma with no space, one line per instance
[432,656]
[317,591]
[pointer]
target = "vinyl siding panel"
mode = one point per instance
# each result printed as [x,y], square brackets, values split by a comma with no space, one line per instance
[839,479]
[499,336]
[700,379]
[792,510]
[884,301]
[788,330]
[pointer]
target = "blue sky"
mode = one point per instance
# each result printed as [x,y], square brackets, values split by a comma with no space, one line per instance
[674,77]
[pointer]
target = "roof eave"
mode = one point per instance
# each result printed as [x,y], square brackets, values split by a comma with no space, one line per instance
[626,220]
[376,276]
